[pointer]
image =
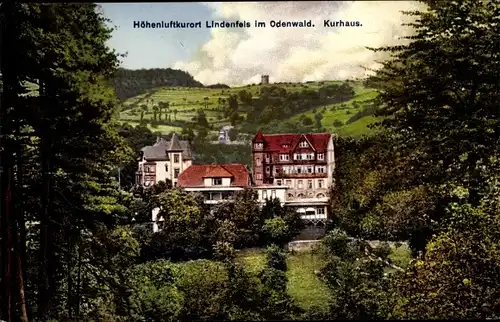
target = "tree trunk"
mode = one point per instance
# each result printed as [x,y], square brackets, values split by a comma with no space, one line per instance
[44,283]
[78,282]
[7,243]
[70,279]
[20,279]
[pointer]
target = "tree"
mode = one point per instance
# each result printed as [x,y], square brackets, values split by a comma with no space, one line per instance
[72,143]
[457,276]
[443,93]
[233,134]
[155,111]
[317,118]
[354,272]
[307,121]
[186,230]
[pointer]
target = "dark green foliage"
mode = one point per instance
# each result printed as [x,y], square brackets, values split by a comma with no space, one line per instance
[129,83]
[355,274]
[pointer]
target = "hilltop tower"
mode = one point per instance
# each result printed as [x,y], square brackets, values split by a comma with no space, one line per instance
[264,79]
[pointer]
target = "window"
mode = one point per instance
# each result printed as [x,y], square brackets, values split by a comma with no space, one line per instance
[309,169]
[175,184]
[285,145]
[268,169]
[258,176]
[217,181]
[284,157]
[273,194]
[264,194]
[166,167]
[278,182]
[321,156]
[258,163]
[320,183]
[176,172]
[303,144]
[176,158]
[320,169]
[297,156]
[309,184]
[289,182]
[299,184]
[258,146]
[320,211]
[309,156]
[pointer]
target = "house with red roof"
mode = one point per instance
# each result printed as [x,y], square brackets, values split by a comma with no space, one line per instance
[217,182]
[301,163]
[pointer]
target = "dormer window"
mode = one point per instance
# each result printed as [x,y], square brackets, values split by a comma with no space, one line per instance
[303,144]
[284,157]
[217,181]
[286,145]
[258,146]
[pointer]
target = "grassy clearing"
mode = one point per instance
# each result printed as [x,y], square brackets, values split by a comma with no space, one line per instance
[401,256]
[342,112]
[303,284]
[160,128]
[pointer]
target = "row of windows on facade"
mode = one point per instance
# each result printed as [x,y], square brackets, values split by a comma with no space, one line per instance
[300,183]
[302,144]
[296,156]
[297,169]
[152,169]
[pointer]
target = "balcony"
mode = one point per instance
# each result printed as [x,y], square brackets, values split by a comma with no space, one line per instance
[282,175]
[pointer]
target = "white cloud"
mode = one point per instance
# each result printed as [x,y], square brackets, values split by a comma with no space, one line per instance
[240,56]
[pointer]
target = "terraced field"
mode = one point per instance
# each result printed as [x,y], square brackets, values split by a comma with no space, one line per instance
[184,103]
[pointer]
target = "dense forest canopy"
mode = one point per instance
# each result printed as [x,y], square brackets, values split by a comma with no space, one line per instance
[129,83]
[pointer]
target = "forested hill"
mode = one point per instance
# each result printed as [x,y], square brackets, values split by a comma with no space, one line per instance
[129,83]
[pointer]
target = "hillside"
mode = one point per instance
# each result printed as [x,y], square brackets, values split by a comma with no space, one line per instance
[129,83]
[283,107]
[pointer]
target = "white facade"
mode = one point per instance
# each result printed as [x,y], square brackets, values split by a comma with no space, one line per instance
[163,170]
[165,160]
[271,192]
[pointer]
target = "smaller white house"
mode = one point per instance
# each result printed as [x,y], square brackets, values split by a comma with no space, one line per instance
[224,134]
[266,192]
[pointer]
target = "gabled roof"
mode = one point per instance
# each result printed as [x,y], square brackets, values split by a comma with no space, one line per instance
[275,142]
[158,151]
[258,137]
[194,175]
[302,138]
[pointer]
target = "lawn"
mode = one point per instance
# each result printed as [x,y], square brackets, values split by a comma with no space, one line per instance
[303,285]
[342,112]
[160,128]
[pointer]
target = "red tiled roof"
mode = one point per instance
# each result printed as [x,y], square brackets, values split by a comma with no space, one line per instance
[275,142]
[258,137]
[194,175]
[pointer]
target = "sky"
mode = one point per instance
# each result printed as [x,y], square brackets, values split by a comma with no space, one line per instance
[239,56]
